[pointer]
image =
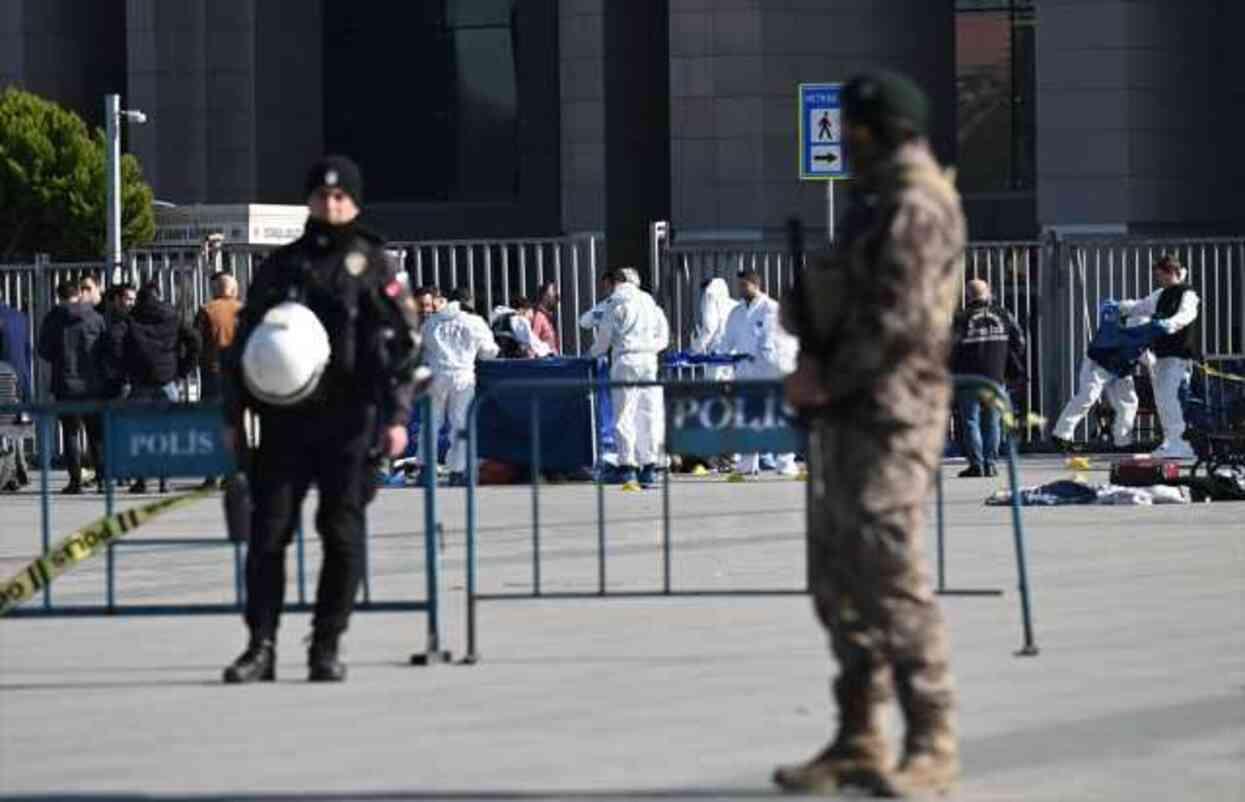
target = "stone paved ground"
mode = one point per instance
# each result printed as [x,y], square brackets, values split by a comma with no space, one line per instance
[1138,694]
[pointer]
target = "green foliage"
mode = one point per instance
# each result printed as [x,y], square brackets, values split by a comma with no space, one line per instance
[53,190]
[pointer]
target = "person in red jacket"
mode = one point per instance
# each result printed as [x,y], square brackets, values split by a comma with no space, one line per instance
[544,321]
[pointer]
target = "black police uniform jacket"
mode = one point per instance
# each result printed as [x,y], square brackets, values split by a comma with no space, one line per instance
[340,273]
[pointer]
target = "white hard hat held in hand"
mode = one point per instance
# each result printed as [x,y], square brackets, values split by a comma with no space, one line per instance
[286,355]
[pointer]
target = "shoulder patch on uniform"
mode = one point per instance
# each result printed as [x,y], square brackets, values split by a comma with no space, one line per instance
[356,263]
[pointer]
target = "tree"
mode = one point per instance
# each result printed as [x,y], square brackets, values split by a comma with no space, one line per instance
[53,184]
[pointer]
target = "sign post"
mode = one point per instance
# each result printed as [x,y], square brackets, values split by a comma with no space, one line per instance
[821,141]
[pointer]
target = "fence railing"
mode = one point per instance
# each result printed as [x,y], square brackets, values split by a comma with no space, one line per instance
[1090,272]
[497,271]
[121,453]
[663,583]
[1011,268]
[1052,287]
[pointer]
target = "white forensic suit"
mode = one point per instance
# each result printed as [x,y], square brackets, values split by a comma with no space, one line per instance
[453,341]
[1096,381]
[753,330]
[1174,309]
[634,330]
[716,305]
[591,319]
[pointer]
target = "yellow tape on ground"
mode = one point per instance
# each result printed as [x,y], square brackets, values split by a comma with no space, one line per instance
[84,544]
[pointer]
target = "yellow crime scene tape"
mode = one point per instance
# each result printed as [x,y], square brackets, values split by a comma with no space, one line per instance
[1219,374]
[84,544]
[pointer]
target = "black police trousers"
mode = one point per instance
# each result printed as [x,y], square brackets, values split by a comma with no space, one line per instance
[330,448]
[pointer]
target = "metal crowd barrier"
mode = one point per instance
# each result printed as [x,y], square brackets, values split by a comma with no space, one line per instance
[45,415]
[1095,271]
[536,390]
[1052,286]
[1013,270]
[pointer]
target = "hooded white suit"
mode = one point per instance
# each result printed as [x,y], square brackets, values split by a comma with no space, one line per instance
[453,341]
[716,306]
[753,330]
[634,330]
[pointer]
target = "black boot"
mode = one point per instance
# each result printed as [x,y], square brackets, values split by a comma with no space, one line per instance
[322,662]
[257,664]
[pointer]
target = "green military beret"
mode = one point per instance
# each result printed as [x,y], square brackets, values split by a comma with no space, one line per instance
[877,99]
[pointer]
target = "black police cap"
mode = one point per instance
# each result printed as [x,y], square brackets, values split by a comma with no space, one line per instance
[336,172]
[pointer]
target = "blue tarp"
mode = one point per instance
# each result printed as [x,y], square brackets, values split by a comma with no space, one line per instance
[566,418]
[1116,347]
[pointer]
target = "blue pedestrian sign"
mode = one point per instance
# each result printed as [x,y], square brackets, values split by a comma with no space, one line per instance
[821,135]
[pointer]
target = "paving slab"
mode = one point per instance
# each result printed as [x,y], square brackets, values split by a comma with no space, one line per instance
[1138,693]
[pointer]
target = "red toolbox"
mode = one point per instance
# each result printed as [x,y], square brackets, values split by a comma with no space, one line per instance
[1144,472]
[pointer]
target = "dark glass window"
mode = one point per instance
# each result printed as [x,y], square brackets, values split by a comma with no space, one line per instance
[995,73]
[424,95]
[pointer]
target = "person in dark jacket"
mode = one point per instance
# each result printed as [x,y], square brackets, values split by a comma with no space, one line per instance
[15,352]
[15,348]
[118,302]
[358,410]
[158,349]
[986,340]
[69,339]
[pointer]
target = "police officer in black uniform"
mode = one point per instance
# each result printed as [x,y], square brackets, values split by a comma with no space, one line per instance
[358,410]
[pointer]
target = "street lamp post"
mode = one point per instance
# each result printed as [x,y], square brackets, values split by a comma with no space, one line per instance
[113,116]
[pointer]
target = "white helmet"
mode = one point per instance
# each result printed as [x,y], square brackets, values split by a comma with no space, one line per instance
[285,355]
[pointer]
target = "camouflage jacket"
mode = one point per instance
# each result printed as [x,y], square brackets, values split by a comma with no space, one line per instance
[875,313]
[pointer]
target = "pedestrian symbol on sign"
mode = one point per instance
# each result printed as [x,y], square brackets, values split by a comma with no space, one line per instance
[823,127]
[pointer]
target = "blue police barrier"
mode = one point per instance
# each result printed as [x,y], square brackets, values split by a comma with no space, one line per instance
[705,418]
[575,430]
[729,419]
[177,440]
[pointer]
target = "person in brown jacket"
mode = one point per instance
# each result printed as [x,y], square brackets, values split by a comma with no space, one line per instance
[217,322]
[874,322]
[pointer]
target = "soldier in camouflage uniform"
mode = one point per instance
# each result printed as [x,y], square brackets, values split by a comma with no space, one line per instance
[874,321]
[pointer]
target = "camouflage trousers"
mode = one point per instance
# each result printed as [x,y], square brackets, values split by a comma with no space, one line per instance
[867,571]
